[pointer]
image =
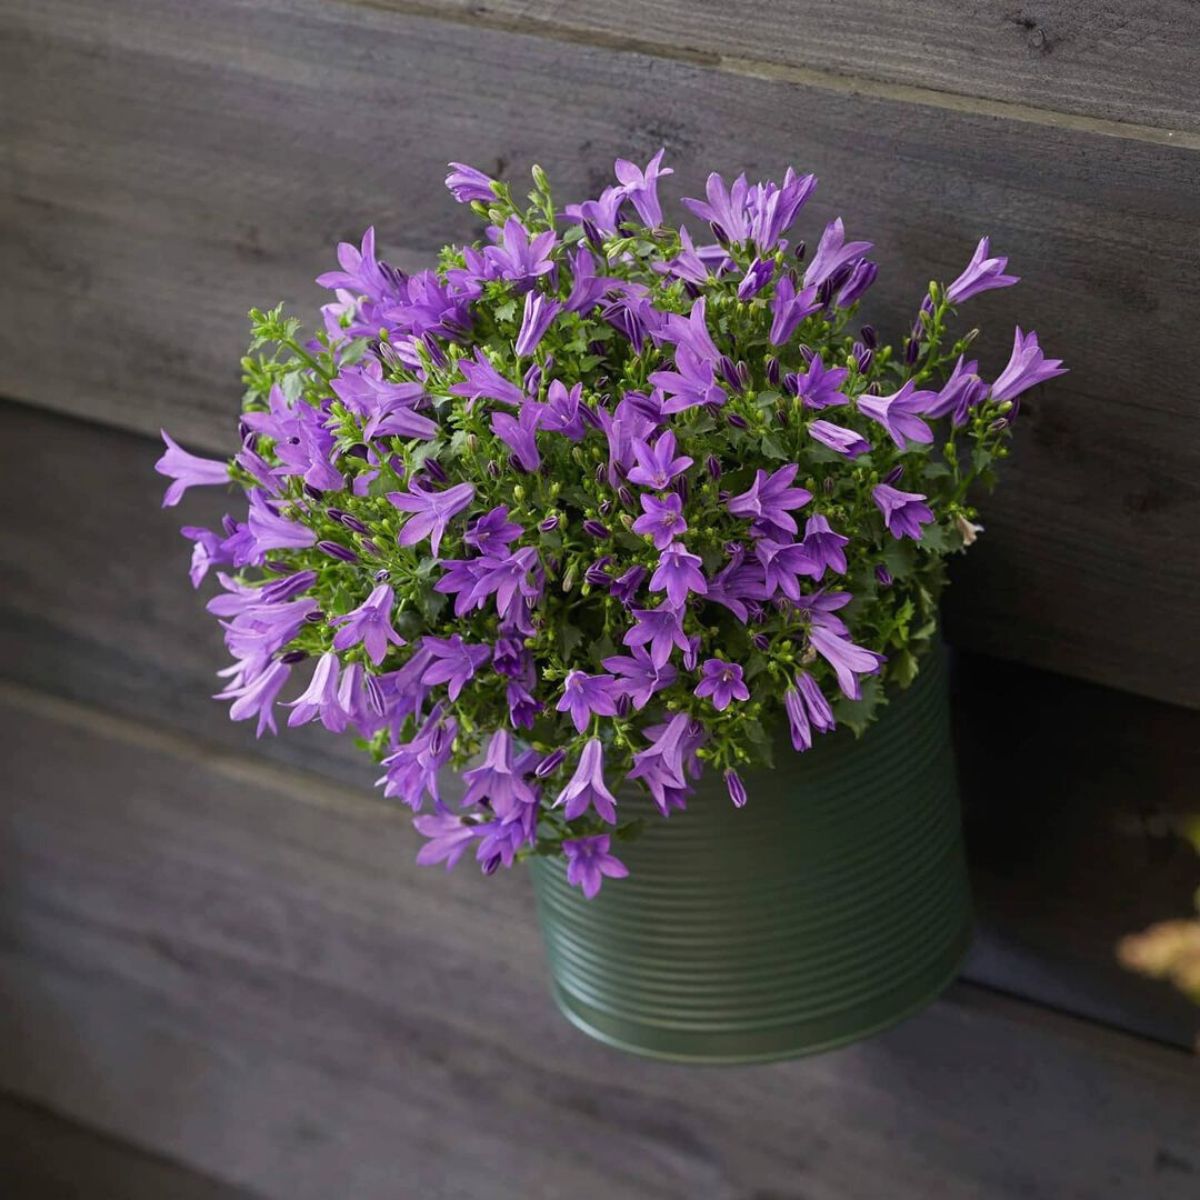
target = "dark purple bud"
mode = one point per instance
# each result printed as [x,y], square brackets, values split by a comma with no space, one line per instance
[245,433]
[595,529]
[791,383]
[435,470]
[229,525]
[589,415]
[334,514]
[371,547]
[600,474]
[681,489]
[491,865]
[533,378]
[693,292]
[436,354]
[808,354]
[1011,415]
[336,551]
[549,362]
[912,351]
[743,374]
[605,507]
[754,610]
[772,366]
[549,525]
[596,575]
[736,421]
[760,641]
[883,575]
[375,696]
[293,656]
[927,305]
[712,464]
[800,250]
[494,470]
[782,414]
[289,588]
[592,234]
[719,233]
[280,568]
[869,336]
[354,523]
[382,575]
[841,275]
[998,425]
[829,485]
[724,497]
[825,292]
[315,618]
[735,550]
[624,705]
[625,496]
[314,493]
[893,476]
[728,370]
[358,450]
[550,763]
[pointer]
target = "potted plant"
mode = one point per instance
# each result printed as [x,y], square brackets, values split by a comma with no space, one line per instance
[632,534]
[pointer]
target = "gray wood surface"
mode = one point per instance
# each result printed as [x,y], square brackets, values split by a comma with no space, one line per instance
[43,1157]
[1071,849]
[166,171]
[1122,62]
[242,969]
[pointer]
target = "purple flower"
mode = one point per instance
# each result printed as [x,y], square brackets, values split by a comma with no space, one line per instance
[690,332]
[627,585]
[600,214]
[823,546]
[738,584]
[768,500]
[586,787]
[981,275]
[1027,367]
[692,264]
[187,470]
[449,836]
[519,257]
[861,277]
[498,780]
[758,275]
[723,682]
[641,186]
[361,271]
[736,788]
[662,520]
[482,379]
[587,288]
[848,660]
[208,551]
[467,184]
[833,252]
[903,512]
[523,708]
[639,678]
[455,662]
[661,766]
[493,531]
[538,316]
[584,695]
[431,512]
[807,708]
[588,861]
[773,208]
[411,770]
[839,438]
[897,413]
[960,393]
[692,383]
[725,207]
[818,386]
[371,624]
[269,531]
[789,307]
[657,465]
[660,629]
[678,574]
[256,696]
[782,562]
[519,434]
[320,698]
[560,413]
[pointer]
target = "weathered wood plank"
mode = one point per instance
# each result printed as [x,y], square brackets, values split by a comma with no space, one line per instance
[246,972]
[98,609]
[1125,62]
[43,1157]
[166,171]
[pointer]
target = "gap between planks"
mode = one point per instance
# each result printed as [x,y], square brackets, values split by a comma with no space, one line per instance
[810,77]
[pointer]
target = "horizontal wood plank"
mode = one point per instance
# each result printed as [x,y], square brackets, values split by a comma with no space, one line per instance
[1126,63]
[1066,860]
[43,1157]
[243,971]
[169,167]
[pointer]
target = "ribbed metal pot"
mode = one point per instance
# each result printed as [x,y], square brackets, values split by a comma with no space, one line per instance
[833,905]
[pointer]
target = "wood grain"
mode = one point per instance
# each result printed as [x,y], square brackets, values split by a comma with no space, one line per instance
[245,972]
[43,1157]
[166,171]
[1126,62]
[99,609]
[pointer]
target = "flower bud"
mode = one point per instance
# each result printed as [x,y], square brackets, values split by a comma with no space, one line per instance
[605,507]
[280,568]
[293,656]
[333,550]
[869,335]
[912,351]
[883,575]
[314,493]
[760,641]
[719,233]
[435,470]
[382,575]
[800,250]
[728,370]
[550,763]
[772,369]
[436,354]
[625,496]
[550,524]
[808,354]
[712,465]
[893,476]
[738,422]
[533,378]
[595,529]
[354,524]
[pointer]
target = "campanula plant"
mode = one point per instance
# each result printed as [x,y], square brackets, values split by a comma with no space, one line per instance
[597,503]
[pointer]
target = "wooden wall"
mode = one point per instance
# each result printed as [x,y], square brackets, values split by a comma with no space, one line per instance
[220,973]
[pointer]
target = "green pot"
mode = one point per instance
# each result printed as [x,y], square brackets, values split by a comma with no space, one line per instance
[833,905]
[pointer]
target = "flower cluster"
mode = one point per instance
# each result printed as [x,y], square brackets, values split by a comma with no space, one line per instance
[596,501]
